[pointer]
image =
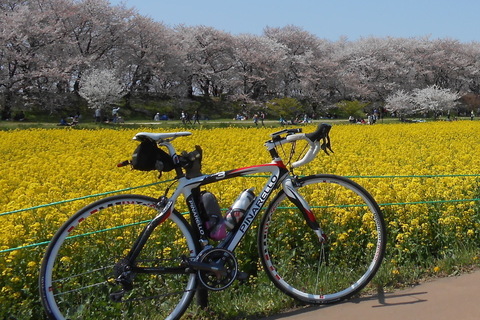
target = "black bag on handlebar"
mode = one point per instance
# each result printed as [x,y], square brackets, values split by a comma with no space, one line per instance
[148,156]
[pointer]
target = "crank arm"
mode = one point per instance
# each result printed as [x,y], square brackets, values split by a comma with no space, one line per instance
[217,269]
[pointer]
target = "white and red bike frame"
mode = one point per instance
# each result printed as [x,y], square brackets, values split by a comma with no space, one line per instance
[279,176]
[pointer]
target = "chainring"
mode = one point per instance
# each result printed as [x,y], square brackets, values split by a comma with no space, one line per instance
[221,259]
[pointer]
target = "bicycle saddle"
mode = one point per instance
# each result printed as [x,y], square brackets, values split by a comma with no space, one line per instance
[158,137]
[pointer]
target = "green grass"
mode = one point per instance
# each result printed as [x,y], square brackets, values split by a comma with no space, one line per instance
[169,124]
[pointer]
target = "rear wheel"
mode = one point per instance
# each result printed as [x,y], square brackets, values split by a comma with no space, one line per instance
[77,277]
[318,272]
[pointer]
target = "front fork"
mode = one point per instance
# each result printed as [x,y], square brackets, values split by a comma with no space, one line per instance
[290,187]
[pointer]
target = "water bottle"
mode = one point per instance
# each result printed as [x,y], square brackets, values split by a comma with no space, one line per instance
[235,214]
[216,223]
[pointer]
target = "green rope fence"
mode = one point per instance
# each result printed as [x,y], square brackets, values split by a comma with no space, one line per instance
[256,176]
[82,198]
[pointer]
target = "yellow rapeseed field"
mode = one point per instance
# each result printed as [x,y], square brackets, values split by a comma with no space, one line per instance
[426,177]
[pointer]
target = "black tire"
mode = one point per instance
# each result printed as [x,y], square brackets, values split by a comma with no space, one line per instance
[312,272]
[76,276]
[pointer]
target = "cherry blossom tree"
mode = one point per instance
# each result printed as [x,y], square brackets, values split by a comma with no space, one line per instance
[431,99]
[401,104]
[319,84]
[434,99]
[208,55]
[101,88]
[300,46]
[95,31]
[29,32]
[258,60]
[471,52]
[150,58]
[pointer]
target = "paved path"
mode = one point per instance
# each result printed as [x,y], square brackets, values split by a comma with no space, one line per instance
[456,298]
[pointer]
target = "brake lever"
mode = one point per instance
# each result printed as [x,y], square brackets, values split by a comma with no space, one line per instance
[325,146]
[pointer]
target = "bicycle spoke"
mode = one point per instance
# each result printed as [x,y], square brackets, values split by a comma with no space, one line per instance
[340,265]
[83,266]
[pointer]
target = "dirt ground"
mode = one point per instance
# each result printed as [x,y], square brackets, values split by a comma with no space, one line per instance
[455,297]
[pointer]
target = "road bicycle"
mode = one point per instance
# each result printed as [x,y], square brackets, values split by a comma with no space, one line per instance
[321,239]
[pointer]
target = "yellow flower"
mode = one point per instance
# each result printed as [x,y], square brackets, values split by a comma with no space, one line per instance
[65,259]
[51,173]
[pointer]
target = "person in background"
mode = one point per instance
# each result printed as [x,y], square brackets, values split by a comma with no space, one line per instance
[98,115]
[196,117]
[115,114]
[255,119]
[262,117]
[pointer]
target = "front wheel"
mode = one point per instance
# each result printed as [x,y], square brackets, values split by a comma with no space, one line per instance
[79,271]
[315,271]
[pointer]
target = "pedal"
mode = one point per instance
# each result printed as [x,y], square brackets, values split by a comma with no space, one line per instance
[242,276]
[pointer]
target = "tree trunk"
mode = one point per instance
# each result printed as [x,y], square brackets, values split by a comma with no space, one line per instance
[7,106]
